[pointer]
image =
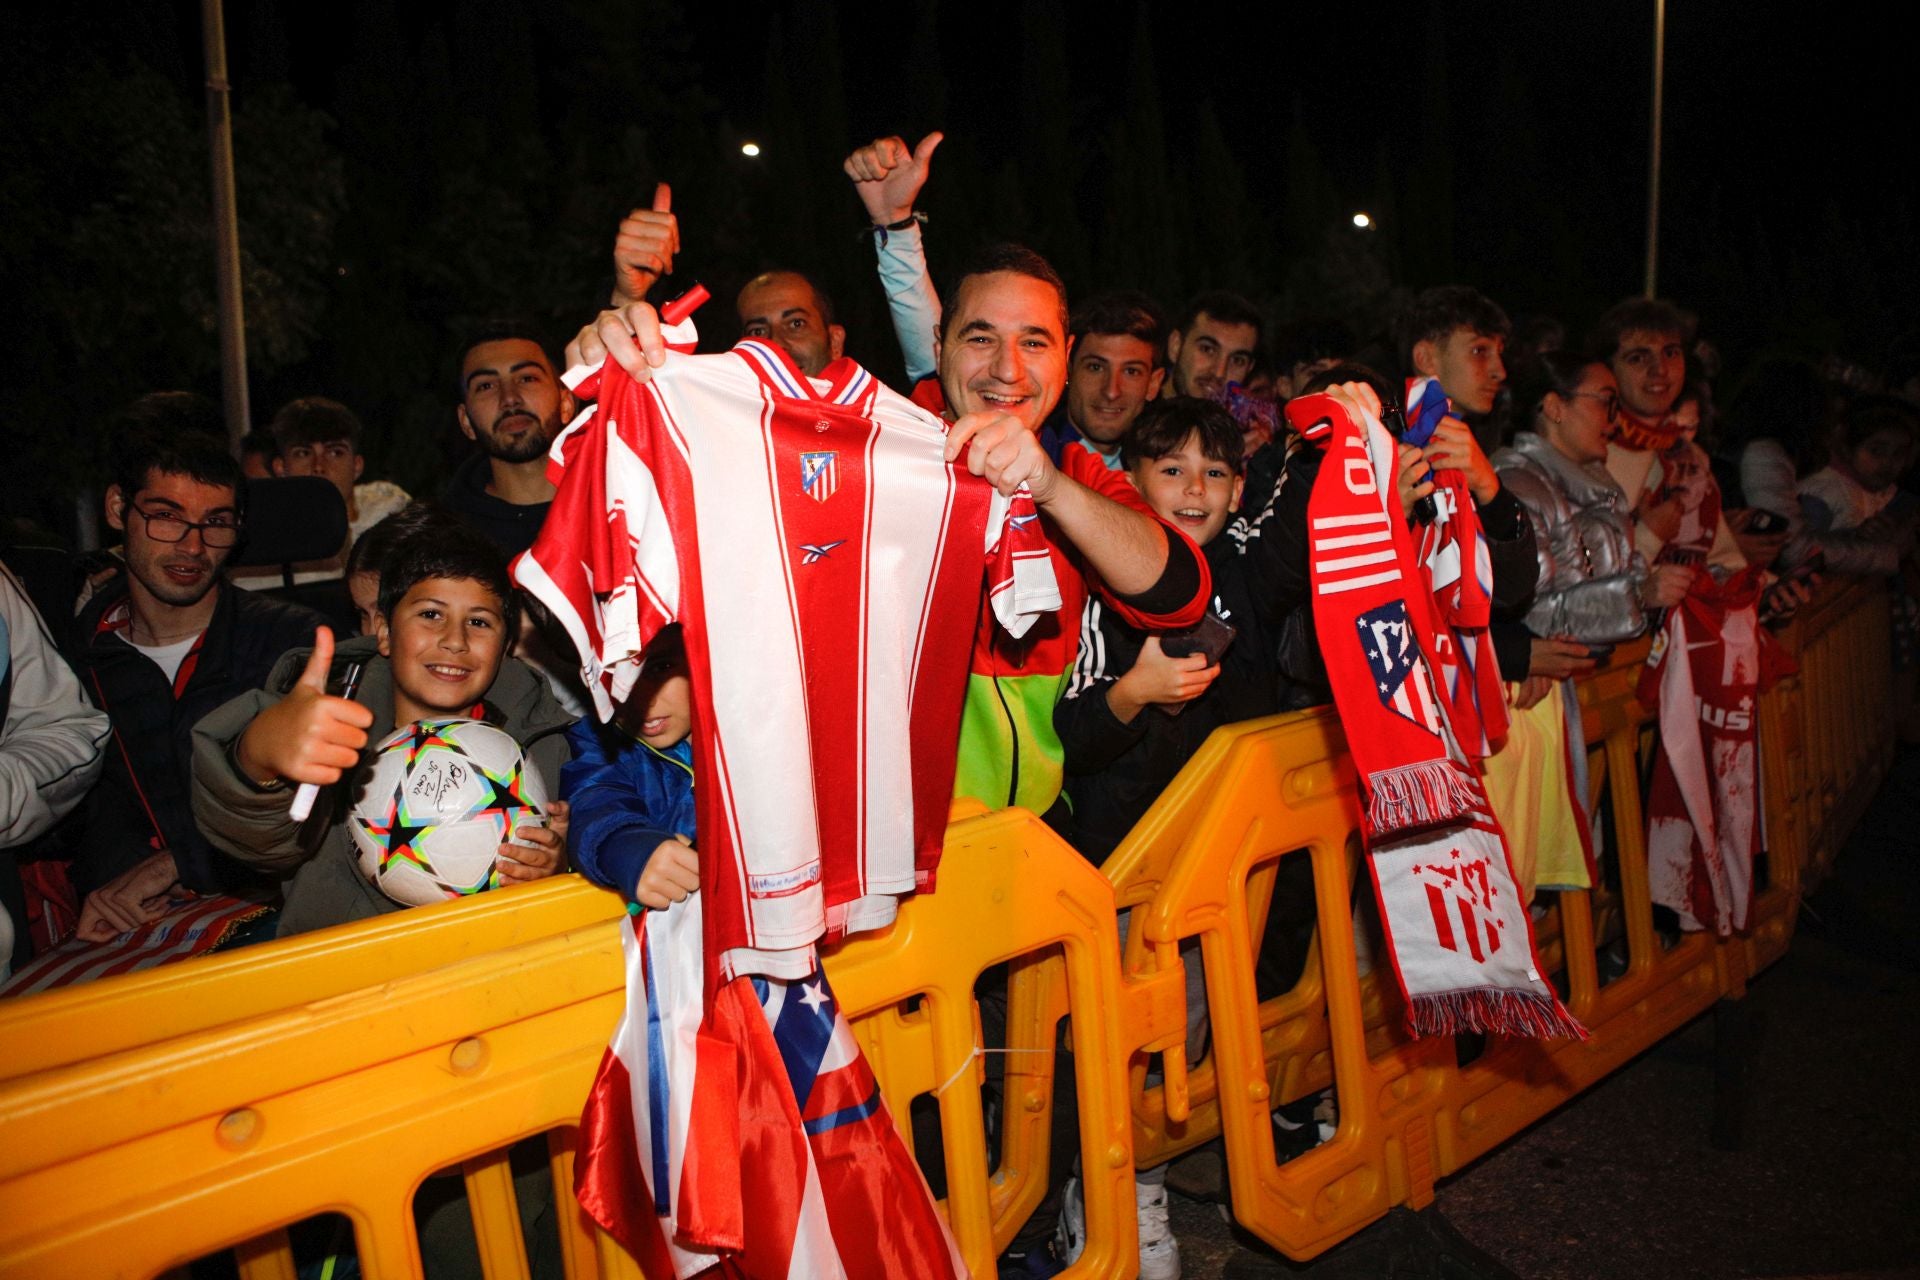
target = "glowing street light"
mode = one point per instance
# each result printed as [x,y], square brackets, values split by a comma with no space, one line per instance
[1362,221]
[749,149]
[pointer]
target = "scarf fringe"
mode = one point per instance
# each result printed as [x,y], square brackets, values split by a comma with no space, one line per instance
[1415,796]
[1493,1011]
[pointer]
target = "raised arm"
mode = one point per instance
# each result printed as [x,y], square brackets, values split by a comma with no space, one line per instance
[888,178]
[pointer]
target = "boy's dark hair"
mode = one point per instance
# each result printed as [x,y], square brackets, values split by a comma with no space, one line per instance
[1122,311]
[1225,306]
[1871,414]
[1434,313]
[372,549]
[314,420]
[1353,371]
[1648,315]
[1309,341]
[1015,258]
[498,329]
[1164,425]
[667,648]
[447,549]
[194,454]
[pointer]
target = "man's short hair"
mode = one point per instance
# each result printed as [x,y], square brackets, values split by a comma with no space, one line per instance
[314,420]
[498,329]
[1646,315]
[197,455]
[1225,306]
[1164,425]
[821,298]
[1122,311]
[259,443]
[1014,258]
[1434,313]
[447,549]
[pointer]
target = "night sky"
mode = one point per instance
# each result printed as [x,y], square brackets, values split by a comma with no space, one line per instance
[464,160]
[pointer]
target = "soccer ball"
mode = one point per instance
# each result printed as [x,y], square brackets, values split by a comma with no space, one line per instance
[442,797]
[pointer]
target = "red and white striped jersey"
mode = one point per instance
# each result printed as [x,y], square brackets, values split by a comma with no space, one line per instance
[826,564]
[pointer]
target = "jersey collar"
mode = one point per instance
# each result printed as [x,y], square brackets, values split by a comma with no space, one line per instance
[847,383]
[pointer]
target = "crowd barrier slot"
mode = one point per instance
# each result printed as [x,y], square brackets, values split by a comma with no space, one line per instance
[157,1118]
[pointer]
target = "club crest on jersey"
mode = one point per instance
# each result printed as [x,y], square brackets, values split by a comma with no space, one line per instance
[820,474]
[1399,672]
[818,551]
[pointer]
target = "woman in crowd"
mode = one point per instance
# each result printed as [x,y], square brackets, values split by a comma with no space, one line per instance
[1593,589]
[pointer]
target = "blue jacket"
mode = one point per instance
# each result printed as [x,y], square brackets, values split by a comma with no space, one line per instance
[627,797]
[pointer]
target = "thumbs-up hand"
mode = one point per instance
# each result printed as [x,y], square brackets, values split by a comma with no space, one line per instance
[888,176]
[309,735]
[643,248]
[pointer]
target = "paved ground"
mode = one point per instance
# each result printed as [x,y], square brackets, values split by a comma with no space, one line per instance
[1624,1182]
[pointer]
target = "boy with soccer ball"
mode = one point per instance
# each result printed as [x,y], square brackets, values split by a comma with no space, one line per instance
[447,615]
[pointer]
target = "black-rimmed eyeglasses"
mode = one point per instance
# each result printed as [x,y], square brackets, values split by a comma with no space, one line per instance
[171,526]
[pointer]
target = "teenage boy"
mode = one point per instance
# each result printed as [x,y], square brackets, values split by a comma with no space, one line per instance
[630,786]
[446,615]
[316,436]
[1458,337]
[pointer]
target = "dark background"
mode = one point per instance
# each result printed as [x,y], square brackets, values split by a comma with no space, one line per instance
[406,170]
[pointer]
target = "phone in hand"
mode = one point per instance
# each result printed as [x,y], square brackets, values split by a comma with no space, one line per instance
[1210,636]
[1765,523]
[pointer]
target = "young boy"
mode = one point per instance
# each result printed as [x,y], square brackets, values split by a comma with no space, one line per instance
[1132,716]
[630,785]
[446,618]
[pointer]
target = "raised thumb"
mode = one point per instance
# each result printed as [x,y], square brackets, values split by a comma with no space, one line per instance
[663,199]
[320,663]
[924,152]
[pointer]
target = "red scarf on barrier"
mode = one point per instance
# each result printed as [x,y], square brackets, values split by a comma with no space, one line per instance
[1457,927]
[1709,664]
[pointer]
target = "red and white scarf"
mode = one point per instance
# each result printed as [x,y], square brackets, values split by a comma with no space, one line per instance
[1709,664]
[1456,923]
[1459,569]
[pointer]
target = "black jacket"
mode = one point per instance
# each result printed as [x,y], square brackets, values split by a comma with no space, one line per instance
[507,526]
[1115,770]
[152,732]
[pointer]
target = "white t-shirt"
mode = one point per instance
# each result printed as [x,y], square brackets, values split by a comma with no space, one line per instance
[167,657]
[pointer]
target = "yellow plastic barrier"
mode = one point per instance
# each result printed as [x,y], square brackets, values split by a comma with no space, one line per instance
[334,1073]
[1202,865]
[154,1119]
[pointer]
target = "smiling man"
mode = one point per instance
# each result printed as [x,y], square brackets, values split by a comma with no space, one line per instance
[1115,369]
[512,405]
[1213,343]
[157,648]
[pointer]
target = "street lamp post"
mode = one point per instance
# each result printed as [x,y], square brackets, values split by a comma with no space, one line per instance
[1653,156]
[226,227]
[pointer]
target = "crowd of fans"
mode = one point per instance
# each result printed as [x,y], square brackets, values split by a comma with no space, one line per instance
[162,697]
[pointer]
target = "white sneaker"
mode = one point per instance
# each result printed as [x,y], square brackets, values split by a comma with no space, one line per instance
[1070,1232]
[1159,1251]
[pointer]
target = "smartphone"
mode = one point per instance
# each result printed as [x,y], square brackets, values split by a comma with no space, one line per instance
[1766,522]
[1211,636]
[1599,652]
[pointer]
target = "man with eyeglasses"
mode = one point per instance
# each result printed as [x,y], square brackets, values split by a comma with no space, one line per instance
[158,647]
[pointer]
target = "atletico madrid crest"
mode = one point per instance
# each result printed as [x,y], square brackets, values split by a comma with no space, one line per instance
[1393,656]
[820,474]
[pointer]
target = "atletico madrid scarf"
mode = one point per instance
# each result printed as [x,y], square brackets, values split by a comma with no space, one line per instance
[1459,571]
[1457,927]
[1709,664]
